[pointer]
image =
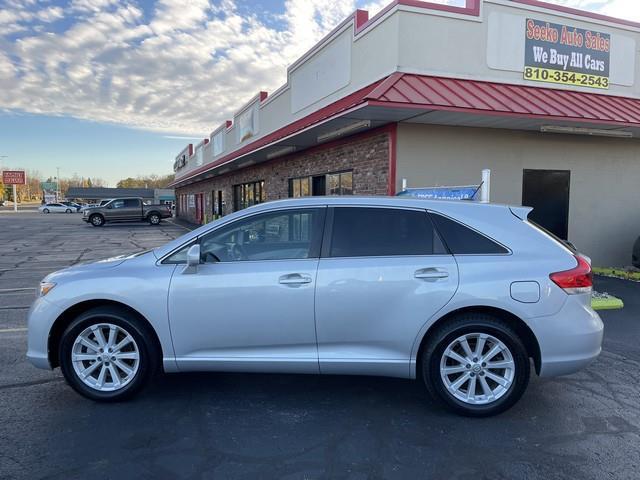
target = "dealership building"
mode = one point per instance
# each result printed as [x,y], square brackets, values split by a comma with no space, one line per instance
[424,94]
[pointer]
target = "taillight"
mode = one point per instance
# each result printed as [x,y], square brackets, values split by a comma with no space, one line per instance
[577,280]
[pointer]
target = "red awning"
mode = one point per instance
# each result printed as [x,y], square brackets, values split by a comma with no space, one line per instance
[437,93]
[427,99]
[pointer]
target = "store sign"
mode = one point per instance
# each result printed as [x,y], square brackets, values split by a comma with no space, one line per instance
[566,55]
[50,186]
[442,193]
[14,177]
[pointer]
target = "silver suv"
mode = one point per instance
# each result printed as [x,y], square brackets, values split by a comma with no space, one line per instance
[462,296]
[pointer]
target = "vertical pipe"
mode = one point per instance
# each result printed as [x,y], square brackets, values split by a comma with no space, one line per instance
[485,190]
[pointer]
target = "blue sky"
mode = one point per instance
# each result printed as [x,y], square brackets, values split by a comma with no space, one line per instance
[101,88]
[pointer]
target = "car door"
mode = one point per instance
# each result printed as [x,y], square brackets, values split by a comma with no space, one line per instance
[132,209]
[383,274]
[113,210]
[249,305]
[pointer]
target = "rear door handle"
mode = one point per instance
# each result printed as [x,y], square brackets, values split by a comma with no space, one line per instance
[294,279]
[431,273]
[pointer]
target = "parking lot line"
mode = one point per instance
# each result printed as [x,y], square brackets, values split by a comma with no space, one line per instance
[14,290]
[12,330]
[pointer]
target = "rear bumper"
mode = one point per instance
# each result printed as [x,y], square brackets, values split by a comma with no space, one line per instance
[570,339]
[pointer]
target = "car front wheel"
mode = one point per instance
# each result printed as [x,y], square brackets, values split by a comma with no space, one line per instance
[68,210]
[46,210]
[96,220]
[106,355]
[476,365]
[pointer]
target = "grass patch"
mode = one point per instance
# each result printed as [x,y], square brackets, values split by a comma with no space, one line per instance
[604,301]
[617,273]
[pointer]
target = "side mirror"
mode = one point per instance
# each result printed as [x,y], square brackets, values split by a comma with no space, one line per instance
[193,259]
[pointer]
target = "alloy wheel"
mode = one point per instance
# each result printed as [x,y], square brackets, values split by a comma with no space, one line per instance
[105,357]
[477,368]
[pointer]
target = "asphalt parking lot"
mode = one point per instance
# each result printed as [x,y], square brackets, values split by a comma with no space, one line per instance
[195,426]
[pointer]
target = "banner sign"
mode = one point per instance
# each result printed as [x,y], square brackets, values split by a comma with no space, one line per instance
[51,186]
[566,55]
[14,177]
[442,193]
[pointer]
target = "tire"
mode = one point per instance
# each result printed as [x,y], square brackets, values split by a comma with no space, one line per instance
[96,220]
[46,210]
[68,210]
[442,384]
[154,219]
[141,370]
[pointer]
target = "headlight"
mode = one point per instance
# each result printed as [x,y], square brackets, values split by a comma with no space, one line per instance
[46,287]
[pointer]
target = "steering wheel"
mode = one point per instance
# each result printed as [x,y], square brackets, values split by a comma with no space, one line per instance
[210,258]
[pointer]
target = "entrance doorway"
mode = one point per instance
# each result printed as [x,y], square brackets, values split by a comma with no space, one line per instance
[547,191]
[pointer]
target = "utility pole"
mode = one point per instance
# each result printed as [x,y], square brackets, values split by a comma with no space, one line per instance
[57,184]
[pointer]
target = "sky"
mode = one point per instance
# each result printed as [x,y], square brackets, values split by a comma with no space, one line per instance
[111,89]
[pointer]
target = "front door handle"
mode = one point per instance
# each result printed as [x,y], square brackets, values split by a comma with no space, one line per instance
[294,279]
[431,273]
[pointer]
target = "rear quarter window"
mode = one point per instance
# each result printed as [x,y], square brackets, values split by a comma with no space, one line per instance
[463,240]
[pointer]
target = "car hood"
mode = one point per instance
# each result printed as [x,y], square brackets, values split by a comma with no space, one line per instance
[93,266]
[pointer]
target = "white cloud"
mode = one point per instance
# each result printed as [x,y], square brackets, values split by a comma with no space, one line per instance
[182,66]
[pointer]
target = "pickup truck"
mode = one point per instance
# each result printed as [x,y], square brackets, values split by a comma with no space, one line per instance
[125,210]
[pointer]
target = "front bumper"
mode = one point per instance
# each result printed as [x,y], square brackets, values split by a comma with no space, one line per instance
[570,339]
[41,317]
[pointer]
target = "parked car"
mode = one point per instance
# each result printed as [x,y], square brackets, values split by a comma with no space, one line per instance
[459,295]
[88,205]
[73,205]
[55,208]
[125,210]
[635,255]
[1,203]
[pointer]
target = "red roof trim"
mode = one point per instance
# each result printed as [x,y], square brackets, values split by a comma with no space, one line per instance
[311,119]
[439,93]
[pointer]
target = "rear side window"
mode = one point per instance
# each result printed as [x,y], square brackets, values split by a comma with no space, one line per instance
[462,240]
[365,232]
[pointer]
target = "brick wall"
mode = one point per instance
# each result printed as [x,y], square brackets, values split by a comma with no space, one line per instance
[367,157]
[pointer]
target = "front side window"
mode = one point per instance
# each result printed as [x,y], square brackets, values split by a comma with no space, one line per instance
[363,231]
[117,204]
[290,234]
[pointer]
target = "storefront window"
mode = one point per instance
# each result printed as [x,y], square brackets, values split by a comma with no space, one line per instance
[331,184]
[247,194]
[300,187]
[340,183]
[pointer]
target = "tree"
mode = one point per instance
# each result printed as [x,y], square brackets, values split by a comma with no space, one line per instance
[148,181]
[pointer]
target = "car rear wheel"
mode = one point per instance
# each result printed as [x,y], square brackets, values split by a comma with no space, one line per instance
[476,365]
[106,355]
[96,220]
[154,219]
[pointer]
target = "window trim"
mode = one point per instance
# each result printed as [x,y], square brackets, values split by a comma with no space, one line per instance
[317,239]
[508,250]
[328,232]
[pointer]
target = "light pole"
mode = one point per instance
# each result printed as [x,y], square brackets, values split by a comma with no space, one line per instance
[58,184]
